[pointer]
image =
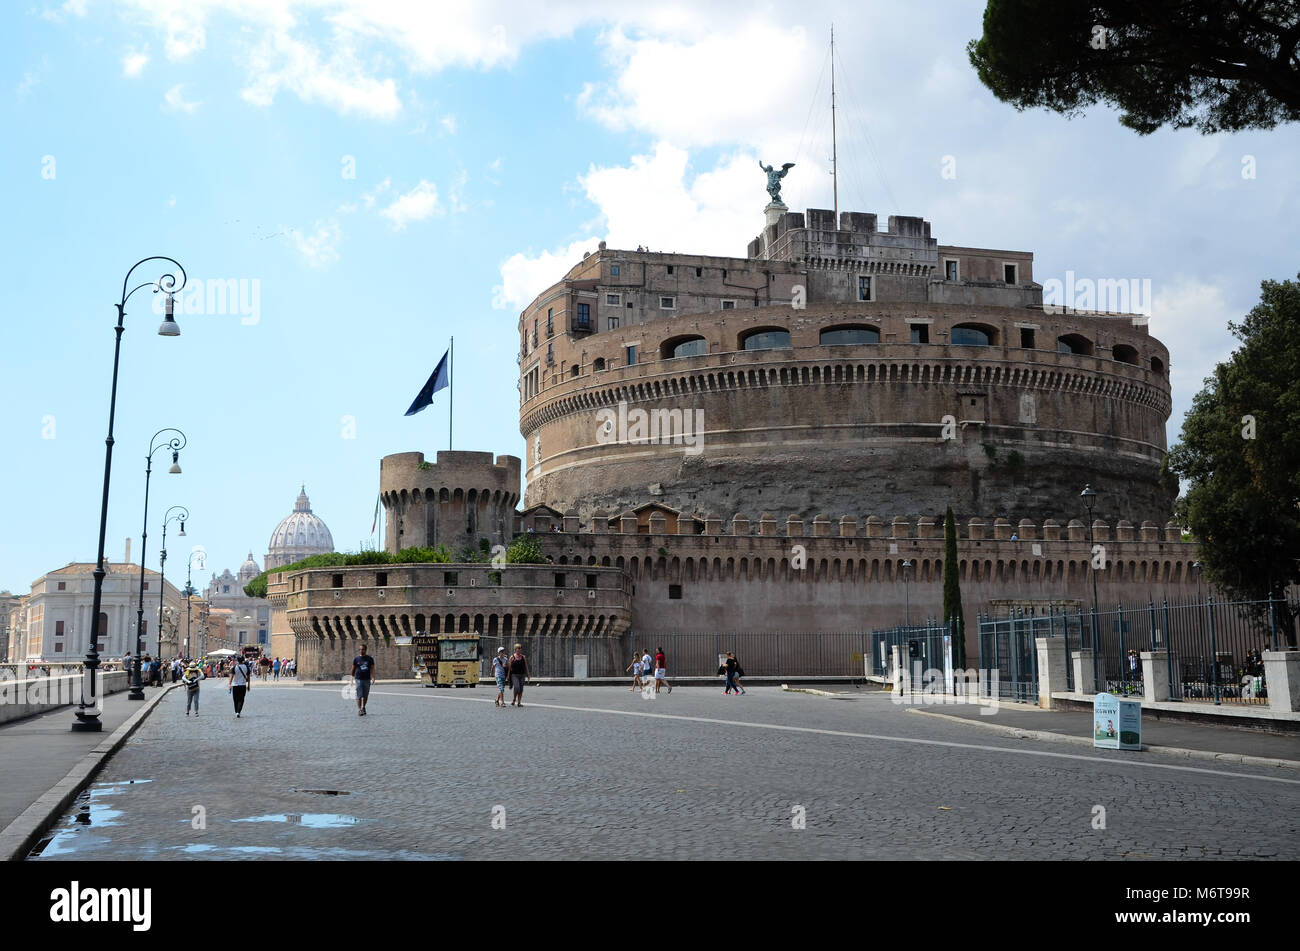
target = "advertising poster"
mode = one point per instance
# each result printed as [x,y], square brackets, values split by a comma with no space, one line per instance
[1116,723]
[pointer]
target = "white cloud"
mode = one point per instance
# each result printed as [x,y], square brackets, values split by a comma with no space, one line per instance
[655,202]
[176,102]
[75,8]
[448,122]
[524,277]
[419,203]
[133,63]
[369,198]
[320,247]
[1190,317]
[29,80]
[281,62]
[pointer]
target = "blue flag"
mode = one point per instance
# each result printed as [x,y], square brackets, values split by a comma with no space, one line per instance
[437,382]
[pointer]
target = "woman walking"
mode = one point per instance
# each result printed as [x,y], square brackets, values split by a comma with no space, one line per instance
[240,682]
[635,667]
[500,667]
[518,675]
[191,679]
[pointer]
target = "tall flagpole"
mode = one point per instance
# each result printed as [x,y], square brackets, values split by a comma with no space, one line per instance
[451,396]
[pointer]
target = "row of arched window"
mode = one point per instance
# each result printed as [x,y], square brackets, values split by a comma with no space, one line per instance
[962,335]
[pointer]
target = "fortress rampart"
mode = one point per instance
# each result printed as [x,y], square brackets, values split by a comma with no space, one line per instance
[899,426]
[465,496]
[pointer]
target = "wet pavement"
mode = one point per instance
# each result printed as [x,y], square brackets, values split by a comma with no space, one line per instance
[587,772]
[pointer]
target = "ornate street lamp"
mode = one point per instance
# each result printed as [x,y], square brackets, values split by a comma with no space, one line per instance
[189,591]
[175,444]
[907,591]
[1089,497]
[181,517]
[88,710]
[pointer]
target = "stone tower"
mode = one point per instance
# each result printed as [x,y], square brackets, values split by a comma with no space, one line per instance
[457,501]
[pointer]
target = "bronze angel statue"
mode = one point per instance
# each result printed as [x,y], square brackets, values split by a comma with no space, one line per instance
[774,179]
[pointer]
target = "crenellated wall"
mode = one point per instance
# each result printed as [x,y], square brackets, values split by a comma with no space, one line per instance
[461,498]
[744,575]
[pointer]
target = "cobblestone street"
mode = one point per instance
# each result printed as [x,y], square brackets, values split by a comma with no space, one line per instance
[601,773]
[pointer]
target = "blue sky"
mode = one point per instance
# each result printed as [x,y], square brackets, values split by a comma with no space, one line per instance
[491,143]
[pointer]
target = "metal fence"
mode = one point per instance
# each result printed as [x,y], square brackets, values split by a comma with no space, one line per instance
[695,654]
[1212,647]
[924,643]
[1007,646]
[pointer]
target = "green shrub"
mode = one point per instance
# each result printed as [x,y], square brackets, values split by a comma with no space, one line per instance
[525,550]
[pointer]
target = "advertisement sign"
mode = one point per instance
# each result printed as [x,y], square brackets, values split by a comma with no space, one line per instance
[1116,723]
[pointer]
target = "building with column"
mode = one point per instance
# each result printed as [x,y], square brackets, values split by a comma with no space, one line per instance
[299,534]
[57,623]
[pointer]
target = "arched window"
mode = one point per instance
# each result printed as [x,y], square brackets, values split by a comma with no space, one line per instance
[1074,343]
[683,347]
[847,336]
[765,338]
[573,370]
[1123,353]
[1157,366]
[598,363]
[973,335]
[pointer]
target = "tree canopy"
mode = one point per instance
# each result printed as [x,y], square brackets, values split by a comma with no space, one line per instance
[1239,452]
[1215,65]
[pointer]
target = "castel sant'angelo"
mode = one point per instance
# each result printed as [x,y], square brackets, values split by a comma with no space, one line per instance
[759,443]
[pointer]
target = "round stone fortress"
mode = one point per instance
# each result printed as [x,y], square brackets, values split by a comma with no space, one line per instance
[837,370]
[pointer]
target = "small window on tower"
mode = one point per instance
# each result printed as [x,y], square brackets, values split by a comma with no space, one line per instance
[864,288]
[613,270]
[1009,273]
[1026,338]
[670,269]
[63,586]
[920,333]
[674,592]
[591,581]
[949,269]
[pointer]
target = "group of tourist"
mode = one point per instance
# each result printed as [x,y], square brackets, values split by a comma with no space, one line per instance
[512,669]
[643,664]
[239,680]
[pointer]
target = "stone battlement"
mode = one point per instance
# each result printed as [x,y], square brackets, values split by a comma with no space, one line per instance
[653,519]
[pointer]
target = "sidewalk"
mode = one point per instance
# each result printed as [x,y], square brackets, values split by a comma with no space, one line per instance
[1075,726]
[40,751]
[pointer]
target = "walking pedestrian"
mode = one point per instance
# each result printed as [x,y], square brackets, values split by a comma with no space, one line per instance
[239,683]
[731,667]
[518,675]
[363,665]
[275,669]
[500,672]
[191,681]
[661,671]
[635,667]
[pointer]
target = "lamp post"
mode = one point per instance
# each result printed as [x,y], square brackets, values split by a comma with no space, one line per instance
[907,591]
[175,444]
[189,590]
[88,710]
[1089,497]
[180,516]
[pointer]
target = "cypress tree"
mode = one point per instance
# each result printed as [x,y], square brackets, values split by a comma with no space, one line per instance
[952,590]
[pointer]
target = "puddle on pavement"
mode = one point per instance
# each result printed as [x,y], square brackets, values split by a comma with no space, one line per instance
[89,810]
[311,820]
[325,792]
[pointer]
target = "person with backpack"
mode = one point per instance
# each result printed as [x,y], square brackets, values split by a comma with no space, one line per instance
[518,675]
[191,680]
[239,683]
[731,667]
